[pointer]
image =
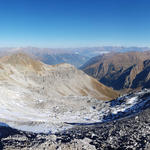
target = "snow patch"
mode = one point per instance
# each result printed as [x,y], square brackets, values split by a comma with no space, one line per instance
[30,111]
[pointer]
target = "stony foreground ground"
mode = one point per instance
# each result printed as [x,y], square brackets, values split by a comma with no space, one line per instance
[127,133]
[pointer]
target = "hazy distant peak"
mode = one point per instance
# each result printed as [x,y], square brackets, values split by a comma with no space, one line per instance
[64,65]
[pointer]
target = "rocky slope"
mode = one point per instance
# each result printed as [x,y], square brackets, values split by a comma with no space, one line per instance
[122,71]
[40,98]
[128,128]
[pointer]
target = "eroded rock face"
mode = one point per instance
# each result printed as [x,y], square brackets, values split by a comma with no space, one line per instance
[122,71]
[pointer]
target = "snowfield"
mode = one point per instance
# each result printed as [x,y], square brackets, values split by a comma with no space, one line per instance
[29,111]
[39,114]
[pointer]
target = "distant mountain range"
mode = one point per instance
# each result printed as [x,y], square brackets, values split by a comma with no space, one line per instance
[74,56]
[122,68]
[121,71]
[74,59]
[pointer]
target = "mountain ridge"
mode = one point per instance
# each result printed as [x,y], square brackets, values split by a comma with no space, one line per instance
[38,97]
[118,70]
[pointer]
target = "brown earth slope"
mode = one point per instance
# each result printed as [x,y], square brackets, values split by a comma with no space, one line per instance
[63,79]
[121,71]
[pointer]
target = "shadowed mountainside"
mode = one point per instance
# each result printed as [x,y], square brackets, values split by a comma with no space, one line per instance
[121,71]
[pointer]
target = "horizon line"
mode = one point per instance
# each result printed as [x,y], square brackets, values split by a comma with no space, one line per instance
[119,46]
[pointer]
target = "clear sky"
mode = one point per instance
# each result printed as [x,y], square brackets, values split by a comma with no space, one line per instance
[74,23]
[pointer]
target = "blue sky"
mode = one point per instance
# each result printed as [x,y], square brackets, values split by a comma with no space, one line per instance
[74,23]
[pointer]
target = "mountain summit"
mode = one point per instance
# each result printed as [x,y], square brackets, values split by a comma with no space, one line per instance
[38,97]
[22,60]
[64,79]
